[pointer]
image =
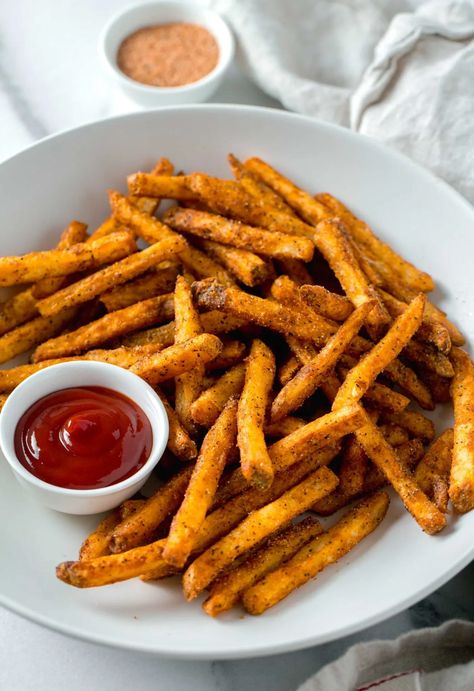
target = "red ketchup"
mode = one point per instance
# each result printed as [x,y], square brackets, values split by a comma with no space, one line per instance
[83,438]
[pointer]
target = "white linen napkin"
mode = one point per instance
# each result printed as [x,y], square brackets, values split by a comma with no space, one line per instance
[398,70]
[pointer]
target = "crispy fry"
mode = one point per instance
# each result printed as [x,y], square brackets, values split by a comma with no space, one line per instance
[432,472]
[415,423]
[255,461]
[284,427]
[38,265]
[129,507]
[115,274]
[295,269]
[255,528]
[324,550]
[427,515]
[17,310]
[206,409]
[179,442]
[160,186]
[225,591]
[428,357]
[378,395]
[246,266]
[204,267]
[288,369]
[461,484]
[220,229]
[212,295]
[330,305]
[230,355]
[137,529]
[331,240]
[187,325]
[394,434]
[152,283]
[364,373]
[97,543]
[177,359]
[287,292]
[106,328]
[306,381]
[215,451]
[28,335]
[256,188]
[439,387]
[353,468]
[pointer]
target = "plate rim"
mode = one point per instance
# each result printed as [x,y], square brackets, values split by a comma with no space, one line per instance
[311,640]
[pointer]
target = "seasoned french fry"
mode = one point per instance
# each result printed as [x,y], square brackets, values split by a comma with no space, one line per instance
[333,244]
[177,359]
[215,451]
[364,373]
[394,434]
[288,369]
[256,188]
[204,267]
[246,266]
[28,335]
[220,229]
[38,265]
[106,328]
[287,292]
[461,484]
[427,515]
[151,284]
[330,305]
[97,543]
[3,399]
[295,269]
[179,442]
[324,550]
[255,528]
[306,381]
[206,409]
[225,591]
[17,310]
[231,354]
[255,461]
[415,423]
[378,395]
[284,427]
[428,357]
[129,507]
[432,472]
[137,529]
[353,468]
[187,325]
[160,186]
[115,274]
[409,274]
[212,295]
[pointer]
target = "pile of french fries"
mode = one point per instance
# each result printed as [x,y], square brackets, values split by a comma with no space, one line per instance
[293,351]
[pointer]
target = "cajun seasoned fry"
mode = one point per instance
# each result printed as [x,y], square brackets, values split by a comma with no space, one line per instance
[256,188]
[220,229]
[17,310]
[432,472]
[246,266]
[311,559]
[206,409]
[330,305]
[28,335]
[415,423]
[106,328]
[231,354]
[255,461]
[160,186]
[152,283]
[97,543]
[205,267]
[428,357]
[255,528]
[225,591]
[179,442]
[295,269]
[284,427]
[394,434]
[461,483]
[288,369]
[306,381]
[215,451]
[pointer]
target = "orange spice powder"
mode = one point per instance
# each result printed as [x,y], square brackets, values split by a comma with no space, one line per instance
[168,54]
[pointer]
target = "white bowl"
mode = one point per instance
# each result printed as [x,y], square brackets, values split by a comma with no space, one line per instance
[136,17]
[64,376]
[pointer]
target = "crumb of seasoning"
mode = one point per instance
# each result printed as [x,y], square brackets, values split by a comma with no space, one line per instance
[168,54]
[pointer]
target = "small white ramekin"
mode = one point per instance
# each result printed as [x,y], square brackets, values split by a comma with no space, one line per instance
[72,374]
[139,16]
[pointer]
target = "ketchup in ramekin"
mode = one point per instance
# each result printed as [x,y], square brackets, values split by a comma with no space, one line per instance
[83,438]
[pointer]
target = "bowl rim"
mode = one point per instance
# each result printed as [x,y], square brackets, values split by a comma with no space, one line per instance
[226,50]
[8,424]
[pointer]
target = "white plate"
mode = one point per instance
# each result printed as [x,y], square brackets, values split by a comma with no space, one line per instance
[65,177]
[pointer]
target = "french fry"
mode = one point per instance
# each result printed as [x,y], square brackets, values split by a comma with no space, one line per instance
[306,381]
[288,369]
[129,507]
[315,556]
[160,186]
[461,483]
[432,472]
[205,267]
[137,529]
[415,423]
[429,358]
[287,292]
[409,274]
[120,272]
[212,295]
[360,378]
[378,395]
[28,335]
[17,310]
[426,514]
[255,528]
[284,427]
[295,269]
[229,232]
[246,266]
[255,461]
[206,409]
[332,242]
[330,305]
[256,188]
[97,543]
[177,359]
[394,434]
[179,442]
[231,354]
[353,468]
[187,325]
[215,451]
[3,399]
[225,591]
[151,284]
[325,430]
[106,328]
[35,266]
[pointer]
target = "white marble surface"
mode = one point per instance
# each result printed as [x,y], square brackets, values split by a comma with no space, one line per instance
[50,80]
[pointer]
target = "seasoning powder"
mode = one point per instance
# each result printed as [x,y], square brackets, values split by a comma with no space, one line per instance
[168,54]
